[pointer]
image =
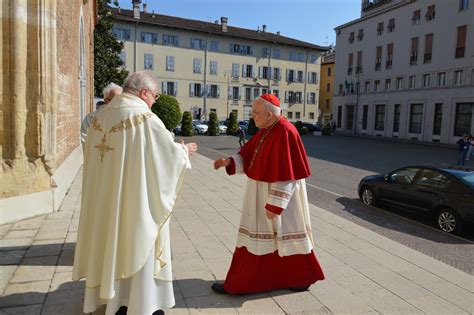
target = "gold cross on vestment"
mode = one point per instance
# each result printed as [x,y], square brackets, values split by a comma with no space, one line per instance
[103,147]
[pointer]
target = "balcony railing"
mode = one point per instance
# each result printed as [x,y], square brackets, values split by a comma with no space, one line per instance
[427,57]
[388,64]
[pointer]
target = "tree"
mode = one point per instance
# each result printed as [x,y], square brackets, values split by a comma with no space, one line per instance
[232,125]
[107,63]
[252,129]
[213,124]
[167,109]
[187,124]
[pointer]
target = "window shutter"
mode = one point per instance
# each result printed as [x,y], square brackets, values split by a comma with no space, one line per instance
[218,91]
[191,89]
[287,74]
[307,98]
[253,71]
[175,88]
[163,87]
[260,73]
[244,74]
[286,96]
[155,38]
[229,93]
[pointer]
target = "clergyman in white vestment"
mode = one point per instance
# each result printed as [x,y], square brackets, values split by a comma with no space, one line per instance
[133,171]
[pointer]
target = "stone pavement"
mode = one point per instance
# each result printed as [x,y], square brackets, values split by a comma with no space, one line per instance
[365,272]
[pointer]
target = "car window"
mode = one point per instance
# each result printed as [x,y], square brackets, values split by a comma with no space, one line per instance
[404,175]
[430,178]
[452,184]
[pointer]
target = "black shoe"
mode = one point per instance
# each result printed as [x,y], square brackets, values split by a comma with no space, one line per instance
[300,289]
[158,312]
[218,288]
[122,311]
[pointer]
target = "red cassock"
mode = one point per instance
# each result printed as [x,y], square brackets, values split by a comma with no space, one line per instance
[281,157]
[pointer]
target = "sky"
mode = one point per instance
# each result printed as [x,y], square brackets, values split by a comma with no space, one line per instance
[311,21]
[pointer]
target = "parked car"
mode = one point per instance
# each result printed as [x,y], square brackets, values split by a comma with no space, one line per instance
[200,127]
[177,129]
[222,127]
[443,191]
[311,126]
[244,124]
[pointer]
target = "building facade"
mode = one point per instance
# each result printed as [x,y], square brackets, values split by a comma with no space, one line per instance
[405,69]
[46,89]
[216,67]
[327,86]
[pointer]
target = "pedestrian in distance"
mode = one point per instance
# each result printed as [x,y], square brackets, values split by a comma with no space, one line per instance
[464,144]
[241,136]
[133,171]
[275,247]
[470,152]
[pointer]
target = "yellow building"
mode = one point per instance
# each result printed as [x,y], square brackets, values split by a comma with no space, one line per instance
[327,86]
[217,67]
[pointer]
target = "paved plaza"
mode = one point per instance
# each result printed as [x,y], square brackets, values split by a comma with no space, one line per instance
[365,272]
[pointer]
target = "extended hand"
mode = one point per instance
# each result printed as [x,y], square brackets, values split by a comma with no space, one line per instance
[221,162]
[191,146]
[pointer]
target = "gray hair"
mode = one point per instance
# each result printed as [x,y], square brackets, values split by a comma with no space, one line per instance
[272,108]
[111,86]
[140,80]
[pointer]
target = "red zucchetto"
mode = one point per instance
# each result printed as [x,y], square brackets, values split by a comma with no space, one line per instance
[271,98]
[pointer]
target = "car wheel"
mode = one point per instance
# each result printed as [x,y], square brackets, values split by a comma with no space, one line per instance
[449,221]
[368,196]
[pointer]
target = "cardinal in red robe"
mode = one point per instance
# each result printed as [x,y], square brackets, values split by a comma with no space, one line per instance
[275,248]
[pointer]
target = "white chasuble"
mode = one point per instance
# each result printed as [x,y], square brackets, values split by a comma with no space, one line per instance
[290,232]
[133,171]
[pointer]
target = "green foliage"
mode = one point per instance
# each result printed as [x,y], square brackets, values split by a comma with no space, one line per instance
[326,131]
[252,129]
[213,124]
[232,125]
[302,130]
[167,109]
[106,50]
[187,124]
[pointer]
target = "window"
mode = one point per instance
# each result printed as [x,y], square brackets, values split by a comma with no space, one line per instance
[263,72]
[388,63]
[414,51]
[327,103]
[379,117]
[360,35]
[214,45]
[121,33]
[367,86]
[214,91]
[197,43]
[170,40]
[147,37]
[148,61]
[399,83]
[404,175]
[313,77]
[328,87]
[351,37]
[297,114]
[458,77]
[276,93]
[412,80]
[314,58]
[430,13]
[301,57]
[265,52]
[123,58]
[235,70]
[196,65]
[359,62]
[416,118]
[416,17]
[328,73]
[311,116]
[248,94]
[300,76]
[169,88]
[430,178]
[460,41]
[378,58]
[235,93]
[396,118]
[463,119]
[256,93]
[290,76]
[376,85]
[298,97]
[438,117]
[276,74]
[195,90]
[290,115]
[350,59]
[428,48]
[247,71]
[292,55]
[391,25]
[426,80]
[213,67]
[339,116]
[264,91]
[241,49]
[169,63]
[463,5]
[380,28]
[441,78]
[276,53]
[388,84]
[349,117]
[365,114]
[340,89]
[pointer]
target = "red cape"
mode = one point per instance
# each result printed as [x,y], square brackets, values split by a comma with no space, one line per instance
[281,156]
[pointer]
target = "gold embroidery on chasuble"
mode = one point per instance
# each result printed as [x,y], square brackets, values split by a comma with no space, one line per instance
[125,124]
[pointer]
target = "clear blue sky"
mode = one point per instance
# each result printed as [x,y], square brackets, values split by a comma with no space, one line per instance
[307,20]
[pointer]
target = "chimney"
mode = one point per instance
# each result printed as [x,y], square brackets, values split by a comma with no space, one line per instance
[278,33]
[136,9]
[224,23]
[144,8]
[264,28]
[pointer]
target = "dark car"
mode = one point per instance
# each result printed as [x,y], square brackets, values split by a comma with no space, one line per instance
[443,191]
[312,127]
